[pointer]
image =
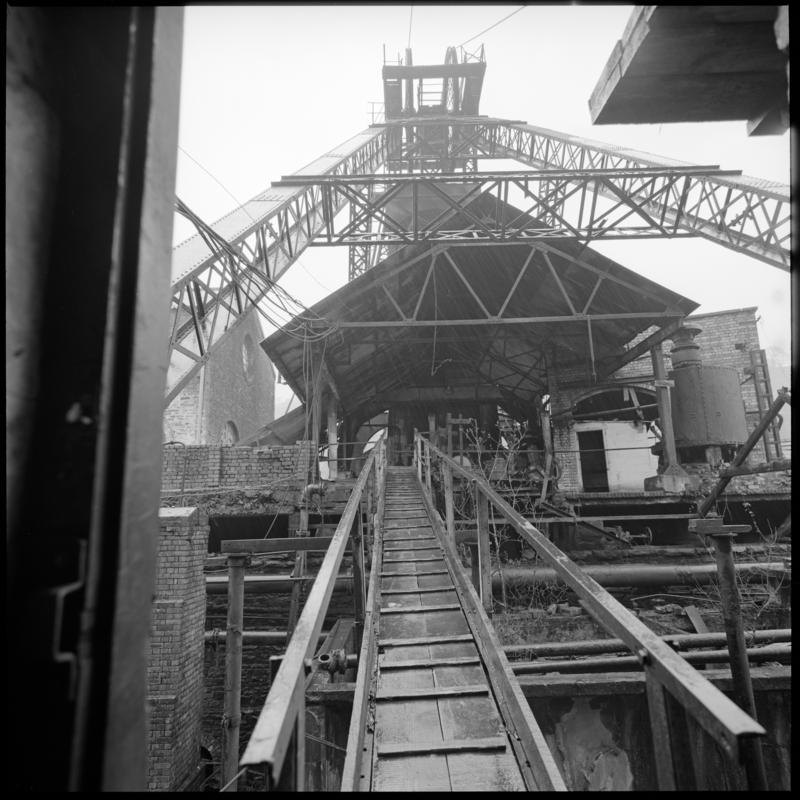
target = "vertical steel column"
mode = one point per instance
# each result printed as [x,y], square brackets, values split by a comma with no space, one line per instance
[231,715]
[664,406]
[428,459]
[484,562]
[409,86]
[547,436]
[751,752]
[333,441]
[432,429]
[418,454]
[316,413]
[449,426]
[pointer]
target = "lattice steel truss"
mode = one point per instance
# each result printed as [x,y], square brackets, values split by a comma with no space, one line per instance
[578,189]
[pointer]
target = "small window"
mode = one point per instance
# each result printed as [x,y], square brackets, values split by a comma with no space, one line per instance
[249,358]
[230,435]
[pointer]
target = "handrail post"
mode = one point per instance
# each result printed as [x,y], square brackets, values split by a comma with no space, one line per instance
[359,596]
[231,715]
[428,463]
[333,440]
[484,562]
[418,454]
[300,746]
[751,753]
[370,506]
[447,477]
[659,731]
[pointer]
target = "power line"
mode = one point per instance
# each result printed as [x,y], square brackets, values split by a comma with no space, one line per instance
[492,26]
[215,179]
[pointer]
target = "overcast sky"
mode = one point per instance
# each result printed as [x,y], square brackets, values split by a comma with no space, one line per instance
[266,90]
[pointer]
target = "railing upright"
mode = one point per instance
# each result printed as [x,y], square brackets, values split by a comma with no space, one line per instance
[427,461]
[484,563]
[447,482]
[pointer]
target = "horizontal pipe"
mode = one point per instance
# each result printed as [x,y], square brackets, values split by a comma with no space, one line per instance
[678,641]
[640,575]
[589,684]
[266,637]
[615,684]
[271,584]
[771,652]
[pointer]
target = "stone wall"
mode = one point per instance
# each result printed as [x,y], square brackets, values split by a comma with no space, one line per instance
[175,667]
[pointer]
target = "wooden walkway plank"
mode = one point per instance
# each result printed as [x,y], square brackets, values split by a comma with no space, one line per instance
[436,723]
[447,746]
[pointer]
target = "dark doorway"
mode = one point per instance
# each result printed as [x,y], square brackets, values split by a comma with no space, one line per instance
[594,471]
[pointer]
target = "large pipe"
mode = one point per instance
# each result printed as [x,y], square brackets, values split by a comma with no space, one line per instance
[543,649]
[773,652]
[639,575]
[596,646]
[266,637]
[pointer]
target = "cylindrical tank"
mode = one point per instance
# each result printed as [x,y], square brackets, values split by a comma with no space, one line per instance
[707,406]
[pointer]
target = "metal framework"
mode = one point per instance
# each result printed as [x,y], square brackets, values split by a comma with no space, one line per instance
[580,190]
[215,286]
[749,215]
[560,204]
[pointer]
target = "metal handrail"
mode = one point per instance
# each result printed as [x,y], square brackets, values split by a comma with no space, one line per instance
[719,716]
[284,708]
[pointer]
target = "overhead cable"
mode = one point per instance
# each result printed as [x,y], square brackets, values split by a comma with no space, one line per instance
[492,26]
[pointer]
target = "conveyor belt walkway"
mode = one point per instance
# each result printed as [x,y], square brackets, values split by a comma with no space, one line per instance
[436,722]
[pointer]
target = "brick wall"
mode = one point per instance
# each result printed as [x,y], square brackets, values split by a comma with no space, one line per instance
[237,385]
[182,416]
[212,466]
[175,667]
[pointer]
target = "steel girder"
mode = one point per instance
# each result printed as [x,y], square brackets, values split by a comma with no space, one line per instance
[586,205]
[215,287]
[589,191]
[749,215]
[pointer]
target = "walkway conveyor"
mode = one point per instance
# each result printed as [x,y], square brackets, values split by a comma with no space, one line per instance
[437,707]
